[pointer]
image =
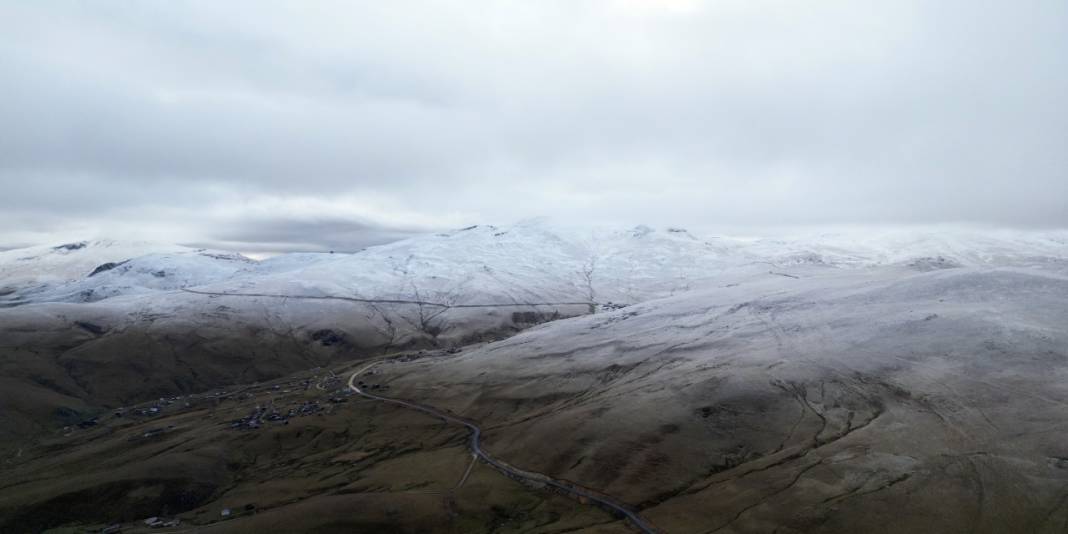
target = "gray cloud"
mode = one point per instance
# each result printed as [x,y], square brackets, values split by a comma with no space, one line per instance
[302,235]
[140,118]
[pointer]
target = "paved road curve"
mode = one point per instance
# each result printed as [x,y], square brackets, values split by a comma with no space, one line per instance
[476,447]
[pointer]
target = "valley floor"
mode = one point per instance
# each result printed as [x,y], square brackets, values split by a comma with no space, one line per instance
[302,453]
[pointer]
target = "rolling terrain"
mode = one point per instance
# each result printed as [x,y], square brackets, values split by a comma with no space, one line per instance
[798,405]
[816,384]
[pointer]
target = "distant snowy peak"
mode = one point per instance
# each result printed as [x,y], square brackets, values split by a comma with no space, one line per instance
[859,247]
[921,248]
[90,270]
[532,261]
[149,273]
[69,261]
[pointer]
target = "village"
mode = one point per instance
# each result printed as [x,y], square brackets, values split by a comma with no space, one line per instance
[256,407]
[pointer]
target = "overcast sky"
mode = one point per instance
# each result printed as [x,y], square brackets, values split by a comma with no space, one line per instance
[308,125]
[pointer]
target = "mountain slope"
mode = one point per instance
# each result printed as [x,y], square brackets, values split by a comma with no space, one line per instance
[86,271]
[100,324]
[26,267]
[813,384]
[822,404]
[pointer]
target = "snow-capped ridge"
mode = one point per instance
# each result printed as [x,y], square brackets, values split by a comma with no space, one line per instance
[91,270]
[533,260]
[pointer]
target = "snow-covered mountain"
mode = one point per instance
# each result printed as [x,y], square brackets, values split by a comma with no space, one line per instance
[42,265]
[87,271]
[102,323]
[794,405]
[534,261]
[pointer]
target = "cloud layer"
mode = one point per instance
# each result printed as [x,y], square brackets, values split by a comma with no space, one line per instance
[304,126]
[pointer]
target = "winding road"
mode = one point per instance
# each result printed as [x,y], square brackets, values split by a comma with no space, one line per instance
[475,443]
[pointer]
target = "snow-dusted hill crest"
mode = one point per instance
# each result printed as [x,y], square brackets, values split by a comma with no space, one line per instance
[880,386]
[68,261]
[86,271]
[526,262]
[100,320]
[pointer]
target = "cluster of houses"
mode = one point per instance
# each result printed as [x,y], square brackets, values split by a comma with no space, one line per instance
[151,410]
[156,407]
[263,414]
[159,522]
